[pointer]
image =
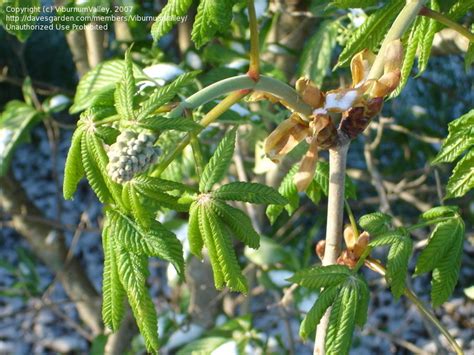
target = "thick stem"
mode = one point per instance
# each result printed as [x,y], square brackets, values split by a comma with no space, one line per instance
[399,26]
[379,268]
[337,173]
[447,22]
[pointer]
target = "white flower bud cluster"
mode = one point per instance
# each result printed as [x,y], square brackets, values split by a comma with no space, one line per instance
[132,153]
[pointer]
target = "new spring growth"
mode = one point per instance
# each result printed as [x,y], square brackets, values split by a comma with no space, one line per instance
[357,104]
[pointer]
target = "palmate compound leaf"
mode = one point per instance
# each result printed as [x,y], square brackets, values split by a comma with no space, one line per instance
[164,94]
[219,162]
[313,317]
[125,90]
[224,262]
[371,32]
[73,170]
[238,223]
[457,142]
[113,293]
[375,223]
[398,256]
[443,256]
[321,276]
[249,192]
[169,16]
[212,16]
[133,272]
[342,319]
[156,241]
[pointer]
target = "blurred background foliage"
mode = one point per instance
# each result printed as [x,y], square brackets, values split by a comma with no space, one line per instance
[389,165]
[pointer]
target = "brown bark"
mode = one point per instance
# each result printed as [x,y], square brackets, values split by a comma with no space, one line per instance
[76,41]
[49,245]
[95,45]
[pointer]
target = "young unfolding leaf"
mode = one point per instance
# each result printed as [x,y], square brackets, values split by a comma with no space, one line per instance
[73,170]
[164,94]
[427,41]
[113,294]
[321,276]
[125,90]
[443,256]
[342,320]
[238,223]
[169,15]
[249,192]
[313,317]
[219,162]
[156,241]
[133,272]
[398,256]
[321,176]
[375,223]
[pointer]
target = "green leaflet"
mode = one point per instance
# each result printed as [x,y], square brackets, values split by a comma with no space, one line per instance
[249,192]
[154,183]
[164,94]
[206,234]
[397,265]
[219,162]
[398,256]
[226,255]
[194,234]
[159,123]
[73,169]
[441,240]
[363,302]
[462,179]
[125,90]
[427,40]
[107,134]
[316,58]
[321,276]
[375,223]
[371,32]
[92,170]
[342,321]
[313,317]
[212,16]
[443,255]
[156,241]
[133,272]
[156,200]
[238,222]
[142,214]
[445,275]
[169,16]
[113,294]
